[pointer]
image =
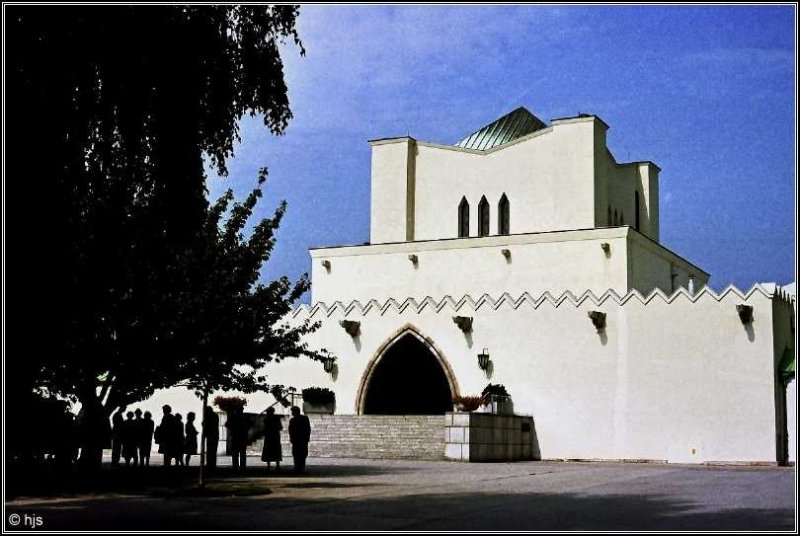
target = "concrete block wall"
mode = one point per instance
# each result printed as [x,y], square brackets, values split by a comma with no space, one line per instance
[480,437]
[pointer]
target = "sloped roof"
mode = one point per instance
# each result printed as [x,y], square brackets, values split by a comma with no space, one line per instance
[511,126]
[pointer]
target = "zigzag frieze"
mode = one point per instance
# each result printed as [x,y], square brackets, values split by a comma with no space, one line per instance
[567,298]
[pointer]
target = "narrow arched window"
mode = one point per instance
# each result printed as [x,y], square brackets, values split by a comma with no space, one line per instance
[622,218]
[483,217]
[503,216]
[636,220]
[463,218]
[616,219]
[609,215]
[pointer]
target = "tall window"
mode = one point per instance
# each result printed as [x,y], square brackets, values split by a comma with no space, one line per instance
[616,218]
[622,218]
[609,215]
[483,217]
[463,218]
[503,216]
[636,210]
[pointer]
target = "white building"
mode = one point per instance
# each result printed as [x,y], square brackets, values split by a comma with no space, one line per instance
[532,244]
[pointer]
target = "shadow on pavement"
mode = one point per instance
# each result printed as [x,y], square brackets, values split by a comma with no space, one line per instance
[47,481]
[446,511]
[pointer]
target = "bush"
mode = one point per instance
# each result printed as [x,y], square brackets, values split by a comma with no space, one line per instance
[497,389]
[467,403]
[229,404]
[318,395]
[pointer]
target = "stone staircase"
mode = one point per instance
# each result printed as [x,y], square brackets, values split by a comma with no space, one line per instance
[419,437]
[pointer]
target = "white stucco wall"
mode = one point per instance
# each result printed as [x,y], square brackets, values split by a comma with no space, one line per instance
[558,178]
[651,266]
[539,262]
[623,180]
[676,378]
[389,190]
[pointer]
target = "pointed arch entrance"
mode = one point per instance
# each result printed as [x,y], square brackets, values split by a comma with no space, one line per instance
[407,376]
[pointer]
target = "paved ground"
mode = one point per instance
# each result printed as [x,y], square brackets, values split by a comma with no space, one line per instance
[350,494]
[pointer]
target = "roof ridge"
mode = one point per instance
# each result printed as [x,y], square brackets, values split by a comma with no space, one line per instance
[509,127]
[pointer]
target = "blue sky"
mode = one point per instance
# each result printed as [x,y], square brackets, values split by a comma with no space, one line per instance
[708,93]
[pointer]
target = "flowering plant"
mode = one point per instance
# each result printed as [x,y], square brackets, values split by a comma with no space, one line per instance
[228,404]
[318,395]
[467,403]
[497,389]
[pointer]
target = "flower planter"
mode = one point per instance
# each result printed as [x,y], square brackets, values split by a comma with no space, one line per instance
[498,407]
[328,408]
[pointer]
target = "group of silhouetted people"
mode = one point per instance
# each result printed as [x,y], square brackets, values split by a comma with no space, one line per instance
[178,441]
[131,437]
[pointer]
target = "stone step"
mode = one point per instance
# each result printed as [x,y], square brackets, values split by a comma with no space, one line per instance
[371,436]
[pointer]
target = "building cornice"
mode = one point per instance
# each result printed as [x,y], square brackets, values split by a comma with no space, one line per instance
[567,298]
[472,242]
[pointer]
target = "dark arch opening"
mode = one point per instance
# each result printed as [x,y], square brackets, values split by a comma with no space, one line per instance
[463,218]
[483,217]
[408,380]
[503,216]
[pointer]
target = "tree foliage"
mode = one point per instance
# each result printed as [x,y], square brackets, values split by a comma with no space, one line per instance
[110,114]
[235,324]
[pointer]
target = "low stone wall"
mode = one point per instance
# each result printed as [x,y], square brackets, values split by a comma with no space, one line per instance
[483,437]
[419,437]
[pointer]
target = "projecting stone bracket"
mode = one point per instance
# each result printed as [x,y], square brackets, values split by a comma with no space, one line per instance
[598,319]
[352,327]
[464,323]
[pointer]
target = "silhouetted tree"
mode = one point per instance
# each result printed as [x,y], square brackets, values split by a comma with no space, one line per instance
[237,325]
[110,113]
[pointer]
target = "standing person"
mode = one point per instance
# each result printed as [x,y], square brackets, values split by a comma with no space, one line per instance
[299,435]
[137,437]
[164,434]
[190,443]
[130,449]
[238,424]
[272,439]
[117,427]
[146,428]
[177,439]
[211,429]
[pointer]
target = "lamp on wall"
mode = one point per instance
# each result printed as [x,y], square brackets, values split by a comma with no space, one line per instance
[483,359]
[414,259]
[464,323]
[328,363]
[606,247]
[506,253]
[598,319]
[352,327]
[745,313]
[327,264]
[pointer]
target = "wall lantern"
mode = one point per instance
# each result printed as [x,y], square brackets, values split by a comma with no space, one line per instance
[606,247]
[352,327]
[483,359]
[745,313]
[506,253]
[328,364]
[464,323]
[414,259]
[598,319]
[327,264]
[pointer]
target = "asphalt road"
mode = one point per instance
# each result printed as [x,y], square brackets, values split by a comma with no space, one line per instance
[350,494]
